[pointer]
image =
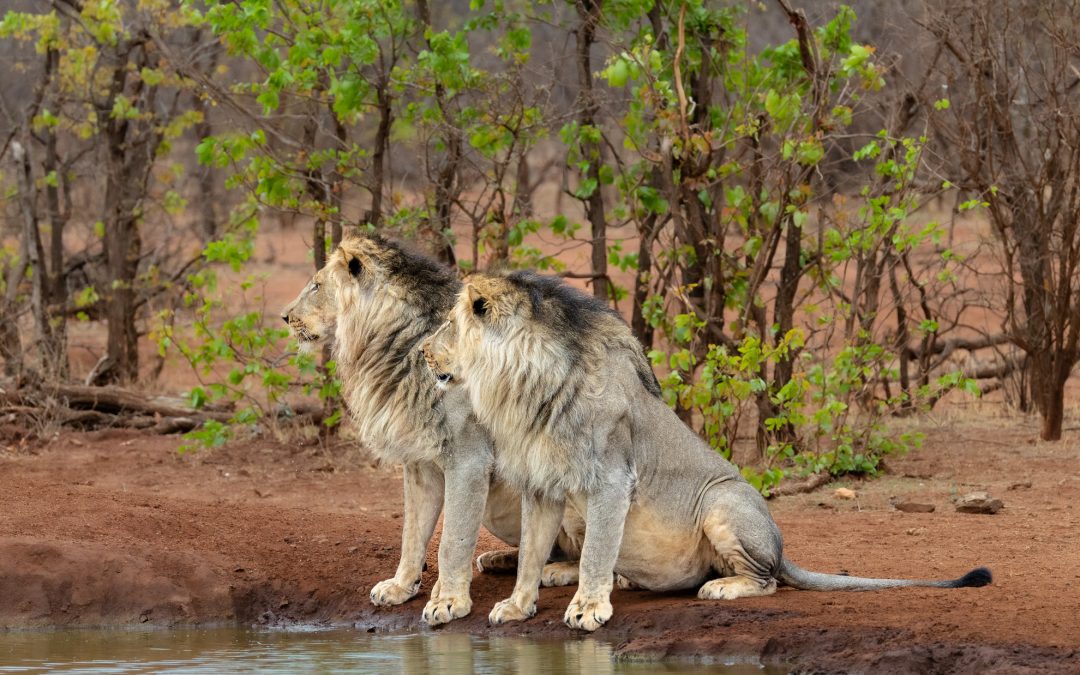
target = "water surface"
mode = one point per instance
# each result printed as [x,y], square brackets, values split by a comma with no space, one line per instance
[230,650]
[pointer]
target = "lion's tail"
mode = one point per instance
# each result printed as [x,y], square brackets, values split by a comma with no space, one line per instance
[796,577]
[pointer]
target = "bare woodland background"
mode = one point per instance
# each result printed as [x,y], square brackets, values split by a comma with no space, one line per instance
[815,222]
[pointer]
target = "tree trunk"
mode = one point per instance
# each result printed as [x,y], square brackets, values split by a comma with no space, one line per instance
[641,327]
[203,129]
[446,179]
[1053,410]
[130,149]
[589,13]
[35,254]
[378,156]
[55,351]
[207,193]
[122,248]
[10,341]
[336,187]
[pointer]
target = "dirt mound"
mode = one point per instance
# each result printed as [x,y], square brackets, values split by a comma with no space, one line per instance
[116,528]
[56,583]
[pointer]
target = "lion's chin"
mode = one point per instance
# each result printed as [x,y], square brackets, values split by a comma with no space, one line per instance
[308,344]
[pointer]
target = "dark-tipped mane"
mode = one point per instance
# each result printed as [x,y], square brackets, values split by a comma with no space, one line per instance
[432,286]
[573,314]
[577,309]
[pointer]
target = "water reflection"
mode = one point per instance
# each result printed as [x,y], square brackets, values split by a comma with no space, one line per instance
[338,651]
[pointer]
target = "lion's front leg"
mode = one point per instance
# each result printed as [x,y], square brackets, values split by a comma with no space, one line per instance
[423,502]
[540,521]
[467,473]
[605,516]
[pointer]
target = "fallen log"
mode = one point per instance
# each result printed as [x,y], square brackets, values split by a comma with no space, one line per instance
[118,400]
[82,406]
[809,484]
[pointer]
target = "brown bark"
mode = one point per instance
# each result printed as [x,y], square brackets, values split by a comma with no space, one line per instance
[10,340]
[130,147]
[638,323]
[33,249]
[446,178]
[208,207]
[382,145]
[111,406]
[335,186]
[1053,411]
[55,350]
[589,14]
[1013,116]
[315,189]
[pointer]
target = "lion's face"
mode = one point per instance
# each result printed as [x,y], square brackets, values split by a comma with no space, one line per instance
[438,353]
[312,316]
[484,307]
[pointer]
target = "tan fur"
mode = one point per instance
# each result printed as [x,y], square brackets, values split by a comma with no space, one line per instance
[557,462]
[578,423]
[377,302]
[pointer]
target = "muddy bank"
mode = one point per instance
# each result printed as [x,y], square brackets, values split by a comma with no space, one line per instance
[116,528]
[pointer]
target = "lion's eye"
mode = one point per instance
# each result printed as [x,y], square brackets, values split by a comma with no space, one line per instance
[315,285]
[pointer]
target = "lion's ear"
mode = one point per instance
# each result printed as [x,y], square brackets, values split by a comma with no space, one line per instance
[477,302]
[355,266]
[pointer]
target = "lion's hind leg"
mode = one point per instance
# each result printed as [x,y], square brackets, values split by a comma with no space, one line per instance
[745,543]
[497,562]
[560,574]
[730,588]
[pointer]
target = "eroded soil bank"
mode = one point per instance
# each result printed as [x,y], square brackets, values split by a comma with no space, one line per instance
[116,528]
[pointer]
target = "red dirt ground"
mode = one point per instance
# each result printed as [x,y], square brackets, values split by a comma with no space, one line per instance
[114,527]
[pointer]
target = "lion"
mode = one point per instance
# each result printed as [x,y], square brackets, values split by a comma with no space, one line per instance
[578,423]
[377,301]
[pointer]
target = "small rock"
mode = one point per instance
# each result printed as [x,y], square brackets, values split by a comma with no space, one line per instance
[1021,485]
[916,531]
[354,549]
[844,493]
[978,502]
[914,507]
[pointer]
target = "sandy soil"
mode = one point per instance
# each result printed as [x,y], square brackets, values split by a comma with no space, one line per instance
[113,527]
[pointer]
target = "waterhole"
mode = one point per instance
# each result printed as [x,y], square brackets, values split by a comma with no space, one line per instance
[226,650]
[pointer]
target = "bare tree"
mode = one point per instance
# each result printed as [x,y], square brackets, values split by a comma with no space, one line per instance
[1012,128]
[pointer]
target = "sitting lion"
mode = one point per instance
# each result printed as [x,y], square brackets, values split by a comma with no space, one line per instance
[577,419]
[378,301]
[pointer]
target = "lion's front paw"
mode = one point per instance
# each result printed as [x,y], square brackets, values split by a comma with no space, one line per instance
[587,613]
[508,610]
[497,561]
[390,592]
[559,574]
[446,608]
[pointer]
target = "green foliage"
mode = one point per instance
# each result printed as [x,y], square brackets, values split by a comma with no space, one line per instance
[240,359]
[710,145]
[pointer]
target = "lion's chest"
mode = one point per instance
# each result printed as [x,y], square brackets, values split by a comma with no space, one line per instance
[393,430]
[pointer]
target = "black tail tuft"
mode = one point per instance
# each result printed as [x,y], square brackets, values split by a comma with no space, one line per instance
[980,576]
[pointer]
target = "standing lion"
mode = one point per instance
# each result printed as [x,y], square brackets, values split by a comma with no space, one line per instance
[378,301]
[577,420]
